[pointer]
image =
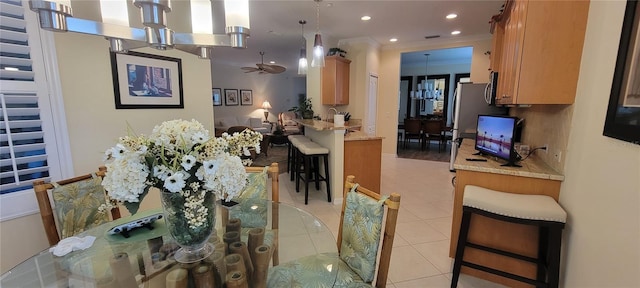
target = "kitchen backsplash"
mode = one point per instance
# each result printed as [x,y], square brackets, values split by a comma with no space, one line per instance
[550,125]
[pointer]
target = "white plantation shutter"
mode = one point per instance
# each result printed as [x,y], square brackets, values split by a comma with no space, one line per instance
[26,122]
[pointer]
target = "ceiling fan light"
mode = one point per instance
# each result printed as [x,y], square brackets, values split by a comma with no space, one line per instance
[318,52]
[114,12]
[201,17]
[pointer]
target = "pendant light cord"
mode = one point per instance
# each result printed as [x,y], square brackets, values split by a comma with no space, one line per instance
[317,16]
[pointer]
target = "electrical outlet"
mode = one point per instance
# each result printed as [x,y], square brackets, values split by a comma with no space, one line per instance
[558,156]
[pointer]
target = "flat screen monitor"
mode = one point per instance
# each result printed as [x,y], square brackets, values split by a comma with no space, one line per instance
[495,137]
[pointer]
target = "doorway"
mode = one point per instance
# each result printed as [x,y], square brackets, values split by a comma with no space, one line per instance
[440,70]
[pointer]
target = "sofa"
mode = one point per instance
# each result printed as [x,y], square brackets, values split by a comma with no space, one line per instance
[287,121]
[223,123]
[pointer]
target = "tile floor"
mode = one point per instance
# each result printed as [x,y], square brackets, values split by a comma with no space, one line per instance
[421,246]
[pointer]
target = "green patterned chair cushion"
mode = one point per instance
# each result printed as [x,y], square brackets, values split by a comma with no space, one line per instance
[361,230]
[76,206]
[252,210]
[309,272]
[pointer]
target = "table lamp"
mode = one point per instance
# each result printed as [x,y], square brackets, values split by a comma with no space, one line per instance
[266,105]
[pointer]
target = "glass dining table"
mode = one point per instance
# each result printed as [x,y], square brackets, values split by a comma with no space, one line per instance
[144,259]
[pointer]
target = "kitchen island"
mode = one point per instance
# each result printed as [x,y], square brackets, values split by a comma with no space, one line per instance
[534,177]
[345,153]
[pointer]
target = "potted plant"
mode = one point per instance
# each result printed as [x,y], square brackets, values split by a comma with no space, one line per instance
[304,109]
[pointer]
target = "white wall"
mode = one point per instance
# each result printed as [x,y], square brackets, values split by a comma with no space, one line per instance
[95,125]
[279,89]
[601,191]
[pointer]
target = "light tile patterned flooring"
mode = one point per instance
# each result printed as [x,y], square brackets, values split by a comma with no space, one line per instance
[420,249]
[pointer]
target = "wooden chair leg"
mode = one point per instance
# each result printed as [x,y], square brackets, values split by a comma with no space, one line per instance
[326,176]
[555,241]
[462,242]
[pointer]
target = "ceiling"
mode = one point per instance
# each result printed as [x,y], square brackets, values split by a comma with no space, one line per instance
[275,28]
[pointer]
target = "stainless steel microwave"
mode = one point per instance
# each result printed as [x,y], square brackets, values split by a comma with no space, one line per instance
[492,87]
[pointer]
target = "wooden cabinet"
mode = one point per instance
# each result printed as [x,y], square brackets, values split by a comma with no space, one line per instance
[335,81]
[363,159]
[540,52]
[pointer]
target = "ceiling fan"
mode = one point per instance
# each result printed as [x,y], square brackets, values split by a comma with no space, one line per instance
[264,68]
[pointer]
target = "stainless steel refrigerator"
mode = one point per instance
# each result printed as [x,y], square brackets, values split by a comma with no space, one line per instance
[470,100]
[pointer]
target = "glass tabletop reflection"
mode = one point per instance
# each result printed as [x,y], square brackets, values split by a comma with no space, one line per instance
[144,259]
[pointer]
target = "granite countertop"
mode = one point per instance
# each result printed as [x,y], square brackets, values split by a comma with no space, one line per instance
[360,136]
[531,167]
[323,125]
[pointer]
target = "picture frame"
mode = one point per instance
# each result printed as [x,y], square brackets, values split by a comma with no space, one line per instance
[246,97]
[231,97]
[216,95]
[623,112]
[146,81]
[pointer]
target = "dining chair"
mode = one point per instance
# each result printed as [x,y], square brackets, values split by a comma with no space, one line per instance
[251,213]
[412,130]
[78,204]
[432,130]
[364,231]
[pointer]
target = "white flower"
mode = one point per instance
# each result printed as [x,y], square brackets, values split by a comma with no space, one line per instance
[160,172]
[187,162]
[175,182]
[164,159]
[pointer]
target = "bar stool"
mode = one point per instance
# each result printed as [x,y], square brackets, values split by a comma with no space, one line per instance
[309,153]
[536,210]
[291,152]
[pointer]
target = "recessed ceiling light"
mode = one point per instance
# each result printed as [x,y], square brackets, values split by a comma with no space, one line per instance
[365,18]
[272,62]
[393,40]
[455,32]
[11,69]
[452,16]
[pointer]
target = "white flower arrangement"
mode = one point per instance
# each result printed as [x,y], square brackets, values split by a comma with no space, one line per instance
[179,157]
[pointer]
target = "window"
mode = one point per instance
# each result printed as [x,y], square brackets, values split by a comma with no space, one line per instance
[27,141]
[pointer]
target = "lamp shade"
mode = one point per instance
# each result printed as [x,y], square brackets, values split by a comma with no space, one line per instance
[266,105]
[302,62]
[114,12]
[318,52]
[201,17]
[236,13]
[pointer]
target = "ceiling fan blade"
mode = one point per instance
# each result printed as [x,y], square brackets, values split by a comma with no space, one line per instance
[273,69]
[250,69]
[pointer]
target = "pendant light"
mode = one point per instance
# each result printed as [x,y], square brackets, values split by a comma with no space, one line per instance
[302,60]
[318,50]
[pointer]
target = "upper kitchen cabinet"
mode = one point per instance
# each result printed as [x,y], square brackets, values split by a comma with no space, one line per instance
[335,81]
[540,47]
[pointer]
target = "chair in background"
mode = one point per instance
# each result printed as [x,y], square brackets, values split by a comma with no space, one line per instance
[358,243]
[432,130]
[287,120]
[76,204]
[412,130]
[251,213]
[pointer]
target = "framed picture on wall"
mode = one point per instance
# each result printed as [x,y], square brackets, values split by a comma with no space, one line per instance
[623,113]
[231,97]
[246,98]
[216,94]
[144,81]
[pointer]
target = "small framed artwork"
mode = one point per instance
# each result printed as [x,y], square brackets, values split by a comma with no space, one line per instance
[246,98]
[623,113]
[231,97]
[144,81]
[216,94]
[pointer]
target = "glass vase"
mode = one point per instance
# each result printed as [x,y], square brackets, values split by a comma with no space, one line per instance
[190,219]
